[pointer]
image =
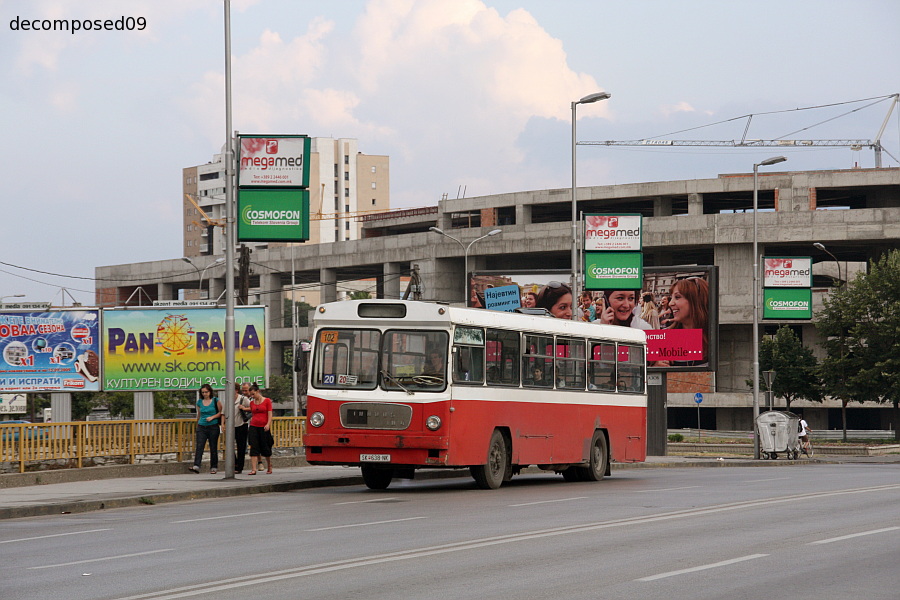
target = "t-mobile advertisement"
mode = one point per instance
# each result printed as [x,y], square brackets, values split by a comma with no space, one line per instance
[677,307]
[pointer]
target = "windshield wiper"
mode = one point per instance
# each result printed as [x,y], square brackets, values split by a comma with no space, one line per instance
[387,375]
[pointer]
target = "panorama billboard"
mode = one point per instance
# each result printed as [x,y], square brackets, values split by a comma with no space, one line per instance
[676,306]
[156,349]
[50,351]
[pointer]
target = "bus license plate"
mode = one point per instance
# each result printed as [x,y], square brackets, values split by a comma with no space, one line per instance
[374,458]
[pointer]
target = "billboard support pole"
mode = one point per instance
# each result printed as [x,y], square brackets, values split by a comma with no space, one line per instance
[230,230]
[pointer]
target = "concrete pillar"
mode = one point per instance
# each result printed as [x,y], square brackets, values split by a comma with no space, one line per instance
[695,205]
[143,406]
[165,291]
[657,419]
[328,279]
[523,214]
[662,207]
[443,280]
[216,286]
[61,407]
[389,283]
[272,294]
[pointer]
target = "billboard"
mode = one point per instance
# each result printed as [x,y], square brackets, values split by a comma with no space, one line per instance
[273,161]
[279,215]
[13,404]
[154,349]
[612,232]
[677,307]
[613,270]
[787,271]
[50,351]
[786,303]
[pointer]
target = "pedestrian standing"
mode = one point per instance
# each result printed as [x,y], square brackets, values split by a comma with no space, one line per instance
[260,435]
[209,413]
[241,424]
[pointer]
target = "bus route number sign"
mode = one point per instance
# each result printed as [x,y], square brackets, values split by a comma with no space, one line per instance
[328,337]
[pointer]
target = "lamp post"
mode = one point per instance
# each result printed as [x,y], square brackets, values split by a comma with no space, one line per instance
[756,166]
[821,247]
[218,261]
[589,99]
[840,283]
[2,298]
[200,279]
[465,248]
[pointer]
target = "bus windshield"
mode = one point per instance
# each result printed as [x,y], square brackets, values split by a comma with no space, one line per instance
[408,361]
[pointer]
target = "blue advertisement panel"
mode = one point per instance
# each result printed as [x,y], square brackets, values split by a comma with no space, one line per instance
[50,351]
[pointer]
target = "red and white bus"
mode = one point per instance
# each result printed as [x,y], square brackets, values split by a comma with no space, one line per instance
[397,386]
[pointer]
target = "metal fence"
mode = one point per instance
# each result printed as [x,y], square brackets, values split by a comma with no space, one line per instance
[74,442]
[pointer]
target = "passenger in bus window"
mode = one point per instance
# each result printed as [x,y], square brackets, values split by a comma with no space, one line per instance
[556,297]
[538,378]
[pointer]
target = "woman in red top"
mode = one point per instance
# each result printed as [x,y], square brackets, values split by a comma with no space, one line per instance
[259,435]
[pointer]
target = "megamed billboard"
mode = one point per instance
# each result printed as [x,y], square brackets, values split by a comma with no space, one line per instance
[787,271]
[273,161]
[612,232]
[155,349]
[50,351]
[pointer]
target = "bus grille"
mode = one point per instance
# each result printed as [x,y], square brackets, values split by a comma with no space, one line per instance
[373,415]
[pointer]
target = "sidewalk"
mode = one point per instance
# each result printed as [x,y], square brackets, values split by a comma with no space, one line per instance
[99,488]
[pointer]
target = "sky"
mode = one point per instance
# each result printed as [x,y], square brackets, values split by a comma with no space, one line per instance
[466,97]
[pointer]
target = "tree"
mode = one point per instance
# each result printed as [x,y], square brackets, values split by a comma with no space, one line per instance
[861,327]
[360,295]
[795,366]
[303,309]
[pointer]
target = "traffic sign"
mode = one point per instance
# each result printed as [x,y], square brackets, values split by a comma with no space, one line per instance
[698,397]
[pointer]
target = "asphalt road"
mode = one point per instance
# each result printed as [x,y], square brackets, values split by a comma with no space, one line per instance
[817,531]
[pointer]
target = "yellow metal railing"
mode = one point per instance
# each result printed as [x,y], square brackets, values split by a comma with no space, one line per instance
[73,442]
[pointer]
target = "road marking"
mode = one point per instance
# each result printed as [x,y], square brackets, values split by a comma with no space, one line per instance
[689,487]
[723,563]
[773,479]
[220,585]
[42,537]
[363,501]
[853,535]
[90,560]
[264,512]
[366,524]
[549,501]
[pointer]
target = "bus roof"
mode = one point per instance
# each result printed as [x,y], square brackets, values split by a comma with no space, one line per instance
[418,313]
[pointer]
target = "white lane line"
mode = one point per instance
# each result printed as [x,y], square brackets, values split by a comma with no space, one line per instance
[264,512]
[90,560]
[363,501]
[853,535]
[366,524]
[724,563]
[549,501]
[773,479]
[43,537]
[689,487]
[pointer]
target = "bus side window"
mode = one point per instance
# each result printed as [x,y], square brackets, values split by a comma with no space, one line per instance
[502,357]
[468,364]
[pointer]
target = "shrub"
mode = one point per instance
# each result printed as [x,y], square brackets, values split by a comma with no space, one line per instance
[676,437]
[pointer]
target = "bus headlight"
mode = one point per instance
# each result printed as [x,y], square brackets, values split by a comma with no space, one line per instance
[433,422]
[316,419]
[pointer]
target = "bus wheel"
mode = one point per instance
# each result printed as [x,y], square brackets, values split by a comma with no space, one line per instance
[491,475]
[377,479]
[599,459]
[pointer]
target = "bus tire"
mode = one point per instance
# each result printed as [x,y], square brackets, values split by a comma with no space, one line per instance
[377,479]
[599,459]
[490,476]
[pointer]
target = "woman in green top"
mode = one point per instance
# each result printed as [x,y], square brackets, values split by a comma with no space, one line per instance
[209,411]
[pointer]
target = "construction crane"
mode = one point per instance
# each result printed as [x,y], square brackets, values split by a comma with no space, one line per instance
[853,144]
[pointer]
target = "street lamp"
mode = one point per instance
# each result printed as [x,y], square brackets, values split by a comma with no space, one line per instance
[821,247]
[190,262]
[840,283]
[466,254]
[586,100]
[769,161]
[218,261]
[2,298]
